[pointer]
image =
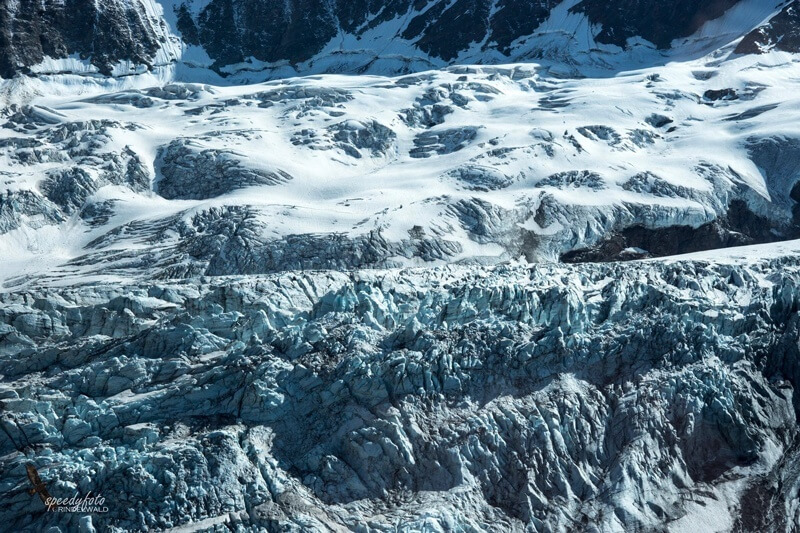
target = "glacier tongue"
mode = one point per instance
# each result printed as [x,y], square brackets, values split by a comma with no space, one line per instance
[612,397]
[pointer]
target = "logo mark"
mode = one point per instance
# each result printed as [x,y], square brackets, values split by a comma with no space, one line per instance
[76,504]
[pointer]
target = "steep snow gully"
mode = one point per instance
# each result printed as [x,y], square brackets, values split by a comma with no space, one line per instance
[402,266]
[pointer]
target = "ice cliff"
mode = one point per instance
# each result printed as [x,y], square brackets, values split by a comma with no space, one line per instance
[616,397]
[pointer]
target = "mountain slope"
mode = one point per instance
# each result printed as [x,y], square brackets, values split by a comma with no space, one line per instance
[781,32]
[438,295]
[104,33]
[279,39]
[483,165]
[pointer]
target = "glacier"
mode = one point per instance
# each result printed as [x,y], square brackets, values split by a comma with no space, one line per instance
[480,165]
[655,395]
[429,266]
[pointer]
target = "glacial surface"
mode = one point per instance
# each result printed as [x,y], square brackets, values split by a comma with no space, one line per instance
[343,302]
[468,164]
[646,396]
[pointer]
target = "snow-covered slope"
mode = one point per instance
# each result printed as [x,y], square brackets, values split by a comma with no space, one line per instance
[485,164]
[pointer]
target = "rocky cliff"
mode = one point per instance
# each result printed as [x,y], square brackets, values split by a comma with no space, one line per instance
[123,37]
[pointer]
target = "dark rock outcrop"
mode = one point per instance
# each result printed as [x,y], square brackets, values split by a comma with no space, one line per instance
[102,32]
[781,32]
[739,227]
[233,31]
[657,21]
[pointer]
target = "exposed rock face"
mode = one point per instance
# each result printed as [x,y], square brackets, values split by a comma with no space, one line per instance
[781,32]
[235,32]
[739,227]
[104,33]
[444,30]
[499,399]
[232,30]
[658,22]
